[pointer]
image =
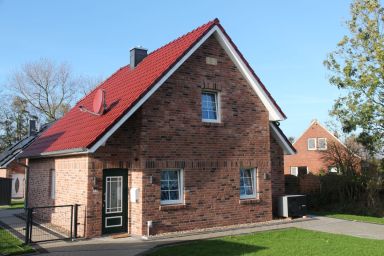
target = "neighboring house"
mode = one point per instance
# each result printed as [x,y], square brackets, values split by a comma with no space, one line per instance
[15,169]
[183,138]
[312,147]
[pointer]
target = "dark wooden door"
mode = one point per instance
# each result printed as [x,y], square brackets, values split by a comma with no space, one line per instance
[115,204]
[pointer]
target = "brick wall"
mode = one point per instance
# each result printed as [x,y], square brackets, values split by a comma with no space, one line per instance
[71,187]
[277,172]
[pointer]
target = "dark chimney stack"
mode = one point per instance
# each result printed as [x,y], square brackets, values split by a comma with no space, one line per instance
[137,55]
[32,127]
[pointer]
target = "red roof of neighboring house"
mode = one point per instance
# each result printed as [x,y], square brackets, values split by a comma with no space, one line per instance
[80,130]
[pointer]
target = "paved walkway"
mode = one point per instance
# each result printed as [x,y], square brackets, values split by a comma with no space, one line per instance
[135,246]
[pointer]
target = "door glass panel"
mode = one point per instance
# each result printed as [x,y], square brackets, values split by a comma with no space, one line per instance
[114,194]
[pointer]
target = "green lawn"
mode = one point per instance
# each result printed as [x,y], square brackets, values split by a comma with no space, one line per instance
[278,242]
[376,220]
[10,245]
[15,204]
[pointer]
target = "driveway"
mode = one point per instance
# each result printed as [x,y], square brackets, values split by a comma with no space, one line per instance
[136,246]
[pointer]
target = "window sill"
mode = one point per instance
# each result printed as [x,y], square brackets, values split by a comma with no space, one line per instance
[209,124]
[170,207]
[249,201]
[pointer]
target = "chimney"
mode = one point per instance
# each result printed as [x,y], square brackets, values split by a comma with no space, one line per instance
[32,127]
[137,55]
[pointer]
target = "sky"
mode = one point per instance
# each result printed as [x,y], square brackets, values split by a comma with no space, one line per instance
[285,42]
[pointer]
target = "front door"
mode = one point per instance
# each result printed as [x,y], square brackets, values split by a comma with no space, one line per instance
[115,204]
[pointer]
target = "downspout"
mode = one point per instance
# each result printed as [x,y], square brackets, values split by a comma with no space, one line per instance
[27,168]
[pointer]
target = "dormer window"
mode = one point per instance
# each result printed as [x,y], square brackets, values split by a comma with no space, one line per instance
[210,106]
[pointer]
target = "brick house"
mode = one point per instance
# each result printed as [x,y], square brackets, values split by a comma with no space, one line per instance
[14,168]
[185,137]
[311,146]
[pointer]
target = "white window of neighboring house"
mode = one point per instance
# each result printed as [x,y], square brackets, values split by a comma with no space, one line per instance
[210,106]
[248,183]
[311,143]
[53,184]
[322,143]
[172,187]
[333,169]
[294,170]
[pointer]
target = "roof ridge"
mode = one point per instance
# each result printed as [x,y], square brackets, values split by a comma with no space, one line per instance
[214,21]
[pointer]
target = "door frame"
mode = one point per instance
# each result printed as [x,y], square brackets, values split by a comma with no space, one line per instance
[115,172]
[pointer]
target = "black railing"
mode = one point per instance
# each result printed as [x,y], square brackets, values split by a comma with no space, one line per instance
[48,223]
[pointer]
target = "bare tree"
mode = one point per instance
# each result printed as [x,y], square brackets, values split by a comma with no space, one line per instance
[49,88]
[345,158]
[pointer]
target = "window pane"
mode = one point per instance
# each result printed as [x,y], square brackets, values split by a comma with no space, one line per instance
[170,185]
[311,143]
[322,143]
[174,195]
[113,194]
[164,195]
[247,181]
[172,175]
[209,105]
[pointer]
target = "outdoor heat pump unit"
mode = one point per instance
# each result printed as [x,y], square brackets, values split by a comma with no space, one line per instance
[292,206]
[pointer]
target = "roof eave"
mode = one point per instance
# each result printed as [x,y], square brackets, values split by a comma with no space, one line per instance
[65,152]
[282,140]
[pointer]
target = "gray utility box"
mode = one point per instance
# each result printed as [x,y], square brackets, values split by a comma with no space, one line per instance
[292,206]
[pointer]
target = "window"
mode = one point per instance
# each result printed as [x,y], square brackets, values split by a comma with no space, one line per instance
[333,169]
[247,183]
[53,184]
[210,106]
[294,170]
[312,144]
[321,143]
[114,194]
[171,187]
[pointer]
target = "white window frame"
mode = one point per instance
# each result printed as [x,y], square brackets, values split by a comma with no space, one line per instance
[333,169]
[325,143]
[295,170]
[315,141]
[255,184]
[181,188]
[114,217]
[53,184]
[218,107]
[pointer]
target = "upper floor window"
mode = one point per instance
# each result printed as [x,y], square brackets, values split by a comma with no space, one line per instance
[210,106]
[248,183]
[312,144]
[321,143]
[171,187]
[317,143]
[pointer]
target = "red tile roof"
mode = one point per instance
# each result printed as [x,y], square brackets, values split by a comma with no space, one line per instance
[80,130]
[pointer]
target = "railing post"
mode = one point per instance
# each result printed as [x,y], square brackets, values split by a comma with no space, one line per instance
[75,223]
[72,222]
[28,224]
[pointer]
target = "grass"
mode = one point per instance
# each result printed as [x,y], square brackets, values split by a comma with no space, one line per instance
[278,242]
[353,217]
[10,245]
[15,204]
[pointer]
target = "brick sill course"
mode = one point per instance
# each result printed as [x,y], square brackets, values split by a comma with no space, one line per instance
[249,201]
[168,207]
